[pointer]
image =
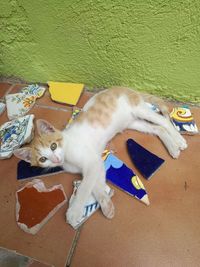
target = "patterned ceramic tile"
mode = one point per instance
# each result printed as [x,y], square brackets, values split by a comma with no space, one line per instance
[2,107]
[123,177]
[15,133]
[90,206]
[183,120]
[20,103]
[34,89]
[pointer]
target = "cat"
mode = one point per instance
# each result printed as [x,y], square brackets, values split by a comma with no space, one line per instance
[78,148]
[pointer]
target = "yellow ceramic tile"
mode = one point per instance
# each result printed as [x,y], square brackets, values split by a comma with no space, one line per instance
[67,93]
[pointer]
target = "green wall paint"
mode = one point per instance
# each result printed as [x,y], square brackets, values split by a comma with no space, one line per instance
[152,45]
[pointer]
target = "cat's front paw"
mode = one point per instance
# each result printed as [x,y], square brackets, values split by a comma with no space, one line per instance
[73,216]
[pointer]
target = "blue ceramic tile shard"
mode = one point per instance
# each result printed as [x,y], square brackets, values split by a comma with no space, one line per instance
[25,170]
[124,178]
[145,161]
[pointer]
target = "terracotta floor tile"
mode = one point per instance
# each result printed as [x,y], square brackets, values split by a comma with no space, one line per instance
[46,100]
[58,118]
[9,258]
[85,96]
[4,88]
[167,233]
[16,88]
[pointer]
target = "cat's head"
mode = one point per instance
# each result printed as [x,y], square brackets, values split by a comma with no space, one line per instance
[46,150]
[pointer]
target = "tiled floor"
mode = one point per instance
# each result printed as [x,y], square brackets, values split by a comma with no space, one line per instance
[167,233]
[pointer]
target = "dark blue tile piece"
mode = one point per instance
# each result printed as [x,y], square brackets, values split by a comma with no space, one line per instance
[25,170]
[145,161]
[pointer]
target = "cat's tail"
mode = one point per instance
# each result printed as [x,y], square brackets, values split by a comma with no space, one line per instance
[158,102]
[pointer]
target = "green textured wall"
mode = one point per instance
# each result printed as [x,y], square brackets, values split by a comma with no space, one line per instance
[153,45]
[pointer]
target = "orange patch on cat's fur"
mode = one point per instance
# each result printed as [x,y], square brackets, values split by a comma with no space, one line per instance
[44,140]
[105,104]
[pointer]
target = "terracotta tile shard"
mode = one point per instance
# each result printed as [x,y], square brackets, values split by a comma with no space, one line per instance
[36,204]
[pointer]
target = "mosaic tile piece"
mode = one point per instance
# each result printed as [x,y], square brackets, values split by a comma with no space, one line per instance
[75,113]
[124,178]
[14,134]
[25,171]
[34,89]
[145,161]
[66,93]
[183,120]
[2,107]
[90,206]
[36,204]
[20,103]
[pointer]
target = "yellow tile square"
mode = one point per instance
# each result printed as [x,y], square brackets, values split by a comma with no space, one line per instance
[67,93]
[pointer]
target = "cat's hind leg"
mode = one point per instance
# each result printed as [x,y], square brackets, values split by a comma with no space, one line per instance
[144,113]
[161,132]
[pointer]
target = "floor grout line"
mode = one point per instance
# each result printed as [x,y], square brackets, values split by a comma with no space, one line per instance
[53,108]
[73,247]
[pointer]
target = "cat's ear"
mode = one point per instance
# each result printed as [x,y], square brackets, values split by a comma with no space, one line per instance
[44,127]
[23,153]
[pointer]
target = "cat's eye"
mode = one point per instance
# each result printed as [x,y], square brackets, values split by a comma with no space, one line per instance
[53,146]
[42,159]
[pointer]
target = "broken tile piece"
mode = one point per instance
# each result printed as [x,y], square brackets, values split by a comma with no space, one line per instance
[145,161]
[34,90]
[183,120]
[153,107]
[14,134]
[90,206]
[124,178]
[67,93]
[36,204]
[75,113]
[25,170]
[19,104]
[2,107]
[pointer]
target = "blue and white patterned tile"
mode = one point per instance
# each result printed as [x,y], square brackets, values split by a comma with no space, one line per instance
[14,134]
[90,206]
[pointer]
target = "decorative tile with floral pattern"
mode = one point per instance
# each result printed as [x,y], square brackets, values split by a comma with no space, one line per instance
[2,107]
[19,104]
[34,89]
[14,134]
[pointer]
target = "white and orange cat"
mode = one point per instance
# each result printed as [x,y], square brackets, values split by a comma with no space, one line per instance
[78,148]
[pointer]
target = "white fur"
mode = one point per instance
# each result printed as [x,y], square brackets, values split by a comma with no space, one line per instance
[84,143]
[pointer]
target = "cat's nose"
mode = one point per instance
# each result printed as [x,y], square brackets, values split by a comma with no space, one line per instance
[55,159]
